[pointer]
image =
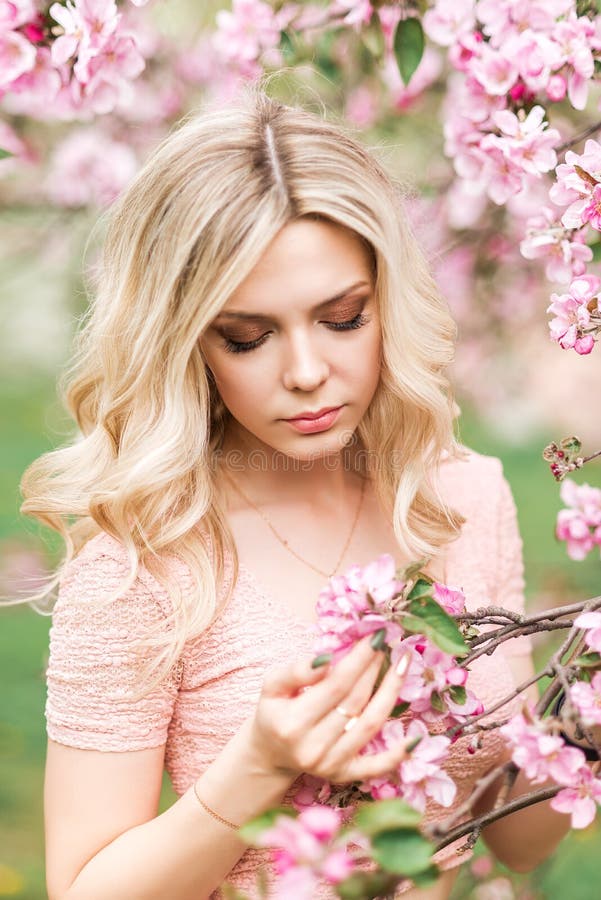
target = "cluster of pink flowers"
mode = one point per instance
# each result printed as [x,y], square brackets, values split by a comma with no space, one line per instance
[420,775]
[576,315]
[358,603]
[369,599]
[307,851]
[512,61]
[71,60]
[89,168]
[507,57]
[544,756]
[248,35]
[579,524]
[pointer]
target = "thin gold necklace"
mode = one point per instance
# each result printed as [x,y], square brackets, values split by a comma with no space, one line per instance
[285,543]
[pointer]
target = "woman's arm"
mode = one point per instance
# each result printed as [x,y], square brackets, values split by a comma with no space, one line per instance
[102,840]
[526,838]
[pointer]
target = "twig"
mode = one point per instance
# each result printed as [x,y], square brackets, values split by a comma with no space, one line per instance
[579,137]
[471,720]
[488,818]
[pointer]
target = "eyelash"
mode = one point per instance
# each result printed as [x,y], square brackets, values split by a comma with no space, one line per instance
[247,346]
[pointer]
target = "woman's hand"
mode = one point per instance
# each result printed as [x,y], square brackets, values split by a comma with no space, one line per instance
[317,720]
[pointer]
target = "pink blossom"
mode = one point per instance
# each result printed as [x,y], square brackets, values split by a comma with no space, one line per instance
[527,140]
[587,699]
[362,106]
[17,13]
[89,168]
[574,189]
[42,83]
[17,56]
[572,316]
[565,252]
[358,12]
[445,23]
[308,848]
[572,527]
[572,37]
[247,31]
[591,621]
[356,604]
[579,799]
[495,72]
[451,599]
[535,55]
[556,88]
[87,24]
[419,775]
[541,755]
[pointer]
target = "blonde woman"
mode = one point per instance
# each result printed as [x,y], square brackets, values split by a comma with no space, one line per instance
[261,396]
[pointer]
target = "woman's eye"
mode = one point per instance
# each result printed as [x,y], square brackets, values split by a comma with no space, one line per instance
[245,346]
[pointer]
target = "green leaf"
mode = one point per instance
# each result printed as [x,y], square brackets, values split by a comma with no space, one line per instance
[366,886]
[588,660]
[458,694]
[373,37]
[403,851]
[421,588]
[412,570]
[408,47]
[287,46]
[429,618]
[596,247]
[4,154]
[382,815]
[251,830]
[322,660]
[232,893]
[571,445]
[426,878]
[398,710]
[436,702]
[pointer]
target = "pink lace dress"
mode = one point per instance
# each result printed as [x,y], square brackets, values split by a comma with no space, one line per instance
[218,679]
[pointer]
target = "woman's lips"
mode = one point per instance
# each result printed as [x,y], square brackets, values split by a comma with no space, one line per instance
[320,423]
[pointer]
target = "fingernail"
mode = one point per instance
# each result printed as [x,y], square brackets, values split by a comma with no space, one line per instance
[403,664]
[378,639]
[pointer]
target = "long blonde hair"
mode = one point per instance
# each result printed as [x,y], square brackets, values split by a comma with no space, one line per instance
[189,229]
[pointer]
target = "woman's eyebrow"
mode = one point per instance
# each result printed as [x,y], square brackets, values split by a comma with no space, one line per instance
[259,317]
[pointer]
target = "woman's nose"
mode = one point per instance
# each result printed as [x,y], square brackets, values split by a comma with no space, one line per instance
[305,367]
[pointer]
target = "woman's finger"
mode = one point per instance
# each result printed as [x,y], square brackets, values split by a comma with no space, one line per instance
[375,765]
[331,691]
[376,712]
[287,681]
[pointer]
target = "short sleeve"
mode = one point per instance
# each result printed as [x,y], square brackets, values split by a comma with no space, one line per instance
[94,662]
[509,578]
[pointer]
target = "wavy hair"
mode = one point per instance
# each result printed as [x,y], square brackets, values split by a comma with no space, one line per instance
[192,225]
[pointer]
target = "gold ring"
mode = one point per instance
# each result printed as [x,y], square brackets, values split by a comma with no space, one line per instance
[351,723]
[343,712]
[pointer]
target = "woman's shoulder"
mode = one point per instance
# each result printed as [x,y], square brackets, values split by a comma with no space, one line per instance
[101,572]
[468,466]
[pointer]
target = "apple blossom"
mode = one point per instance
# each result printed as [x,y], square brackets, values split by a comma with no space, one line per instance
[591,622]
[587,699]
[579,799]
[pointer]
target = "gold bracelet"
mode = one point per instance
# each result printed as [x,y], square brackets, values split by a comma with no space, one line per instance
[213,813]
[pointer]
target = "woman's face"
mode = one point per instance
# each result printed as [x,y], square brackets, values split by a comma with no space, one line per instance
[301,333]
